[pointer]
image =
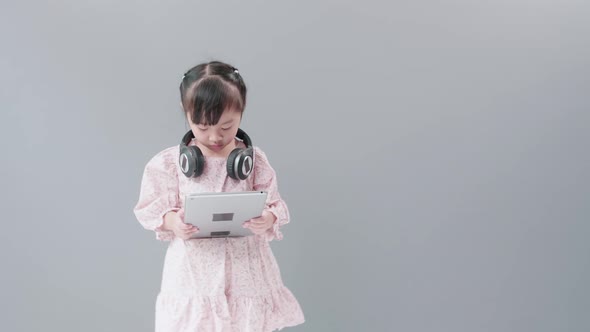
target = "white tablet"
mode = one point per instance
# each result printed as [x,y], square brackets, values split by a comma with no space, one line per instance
[222,214]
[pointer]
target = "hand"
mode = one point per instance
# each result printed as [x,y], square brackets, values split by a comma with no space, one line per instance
[173,222]
[261,224]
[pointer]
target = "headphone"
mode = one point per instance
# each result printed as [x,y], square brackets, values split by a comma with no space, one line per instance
[240,162]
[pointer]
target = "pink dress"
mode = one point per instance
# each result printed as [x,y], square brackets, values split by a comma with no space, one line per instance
[217,284]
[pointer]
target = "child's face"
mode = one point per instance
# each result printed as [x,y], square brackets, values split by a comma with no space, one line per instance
[216,139]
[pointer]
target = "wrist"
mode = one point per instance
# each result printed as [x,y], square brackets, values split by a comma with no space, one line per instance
[272,217]
[169,218]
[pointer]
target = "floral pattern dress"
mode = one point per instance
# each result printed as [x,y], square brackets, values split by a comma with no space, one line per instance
[216,284]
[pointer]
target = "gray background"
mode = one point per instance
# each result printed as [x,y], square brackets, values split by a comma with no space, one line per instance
[434,155]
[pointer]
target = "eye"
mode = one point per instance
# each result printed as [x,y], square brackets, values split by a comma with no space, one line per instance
[202,128]
[228,128]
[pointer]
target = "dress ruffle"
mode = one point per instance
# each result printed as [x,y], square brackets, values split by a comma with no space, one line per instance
[226,313]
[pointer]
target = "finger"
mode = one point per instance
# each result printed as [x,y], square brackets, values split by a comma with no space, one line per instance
[256,224]
[190,230]
[259,226]
[191,227]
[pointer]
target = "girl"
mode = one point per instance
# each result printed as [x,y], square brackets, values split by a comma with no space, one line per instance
[215,284]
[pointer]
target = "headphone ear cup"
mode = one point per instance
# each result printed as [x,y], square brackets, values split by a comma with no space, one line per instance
[240,163]
[199,161]
[231,161]
[247,164]
[191,161]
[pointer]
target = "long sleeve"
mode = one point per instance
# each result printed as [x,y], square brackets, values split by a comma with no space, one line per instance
[158,194]
[265,179]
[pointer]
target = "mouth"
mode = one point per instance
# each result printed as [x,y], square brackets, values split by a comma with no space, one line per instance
[216,147]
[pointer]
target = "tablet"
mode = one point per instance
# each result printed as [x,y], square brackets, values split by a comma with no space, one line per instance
[222,214]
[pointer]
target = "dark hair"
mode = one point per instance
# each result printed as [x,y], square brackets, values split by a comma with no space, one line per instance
[208,89]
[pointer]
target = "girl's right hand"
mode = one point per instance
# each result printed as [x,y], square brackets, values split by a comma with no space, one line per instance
[173,222]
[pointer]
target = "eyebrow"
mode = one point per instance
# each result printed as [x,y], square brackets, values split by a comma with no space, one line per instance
[226,122]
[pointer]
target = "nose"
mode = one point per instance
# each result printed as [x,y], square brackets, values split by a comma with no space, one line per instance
[215,138]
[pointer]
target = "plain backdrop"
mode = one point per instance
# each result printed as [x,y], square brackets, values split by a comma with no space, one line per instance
[433,154]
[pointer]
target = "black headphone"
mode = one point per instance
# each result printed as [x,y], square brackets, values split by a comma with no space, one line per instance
[240,162]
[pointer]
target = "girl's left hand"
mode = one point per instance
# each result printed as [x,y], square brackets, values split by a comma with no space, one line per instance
[260,224]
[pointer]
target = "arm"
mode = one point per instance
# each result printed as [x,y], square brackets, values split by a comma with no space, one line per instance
[159,195]
[265,179]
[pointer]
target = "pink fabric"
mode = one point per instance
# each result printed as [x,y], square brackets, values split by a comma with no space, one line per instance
[219,284]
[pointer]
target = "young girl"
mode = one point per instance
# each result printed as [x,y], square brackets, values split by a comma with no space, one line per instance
[215,284]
